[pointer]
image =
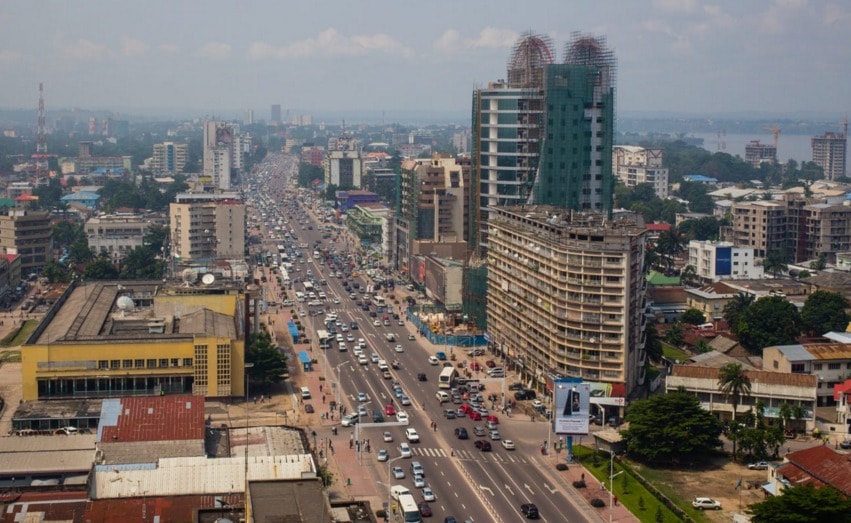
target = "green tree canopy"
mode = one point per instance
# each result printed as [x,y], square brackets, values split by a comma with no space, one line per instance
[269,362]
[769,321]
[775,263]
[803,504]
[734,309]
[101,269]
[693,317]
[824,312]
[671,429]
[652,344]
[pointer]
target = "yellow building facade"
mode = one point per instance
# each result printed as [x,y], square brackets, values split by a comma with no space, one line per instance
[106,339]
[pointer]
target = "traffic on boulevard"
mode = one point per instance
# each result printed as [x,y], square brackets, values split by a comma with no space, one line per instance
[432,438]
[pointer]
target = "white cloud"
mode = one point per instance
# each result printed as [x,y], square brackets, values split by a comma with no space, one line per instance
[8,56]
[331,43]
[168,48]
[681,6]
[84,49]
[132,47]
[783,14]
[215,51]
[489,37]
[834,14]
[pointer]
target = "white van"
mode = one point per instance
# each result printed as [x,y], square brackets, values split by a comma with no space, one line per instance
[305,393]
[398,490]
[441,396]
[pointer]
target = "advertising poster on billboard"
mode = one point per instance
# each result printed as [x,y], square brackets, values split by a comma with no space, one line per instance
[572,406]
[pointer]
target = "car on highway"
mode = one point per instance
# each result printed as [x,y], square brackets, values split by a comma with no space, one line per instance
[377,323]
[362,411]
[387,436]
[382,455]
[759,465]
[421,376]
[399,348]
[530,511]
[483,445]
[449,414]
[405,400]
[362,397]
[402,417]
[461,433]
[386,375]
[433,360]
[419,481]
[412,435]
[411,337]
[398,473]
[494,435]
[425,509]
[404,450]
[374,358]
[508,444]
[363,360]
[417,468]
[440,355]
[706,504]
[428,494]
[350,419]
[390,410]
[350,338]
[479,431]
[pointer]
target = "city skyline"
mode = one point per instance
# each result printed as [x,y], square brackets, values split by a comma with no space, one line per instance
[685,56]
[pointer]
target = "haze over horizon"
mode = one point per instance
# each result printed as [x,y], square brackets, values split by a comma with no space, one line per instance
[674,56]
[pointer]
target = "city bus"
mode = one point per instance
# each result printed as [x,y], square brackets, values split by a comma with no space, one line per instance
[409,509]
[308,287]
[447,378]
[324,339]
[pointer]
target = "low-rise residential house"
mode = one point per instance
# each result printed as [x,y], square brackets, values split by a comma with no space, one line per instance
[828,363]
[770,389]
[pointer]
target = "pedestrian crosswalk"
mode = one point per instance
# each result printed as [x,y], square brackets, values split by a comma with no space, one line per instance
[468,454]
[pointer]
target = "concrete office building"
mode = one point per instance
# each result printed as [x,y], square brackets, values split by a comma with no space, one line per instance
[544,135]
[714,261]
[116,235]
[169,158]
[830,153]
[566,295]
[433,212]
[27,233]
[110,339]
[757,154]
[207,227]
[344,162]
[634,165]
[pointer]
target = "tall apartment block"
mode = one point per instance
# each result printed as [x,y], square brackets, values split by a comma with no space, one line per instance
[344,162]
[27,233]
[207,227]
[757,154]
[169,158]
[634,165]
[566,295]
[829,153]
[224,147]
[276,114]
[544,135]
[433,211]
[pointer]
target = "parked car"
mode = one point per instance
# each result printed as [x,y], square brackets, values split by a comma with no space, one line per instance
[759,465]
[706,504]
[845,444]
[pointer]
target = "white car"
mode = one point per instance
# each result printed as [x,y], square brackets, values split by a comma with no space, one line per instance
[419,481]
[433,360]
[350,338]
[350,419]
[362,397]
[383,455]
[411,435]
[388,437]
[398,473]
[399,348]
[402,417]
[706,504]
[537,404]
[377,323]
[404,450]
[428,495]
[507,444]
[363,360]
[336,300]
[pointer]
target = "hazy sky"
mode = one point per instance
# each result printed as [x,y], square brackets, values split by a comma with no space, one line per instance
[403,55]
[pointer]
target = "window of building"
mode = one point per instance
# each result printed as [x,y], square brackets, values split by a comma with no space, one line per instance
[798,368]
[817,366]
[834,366]
[152,364]
[139,364]
[103,364]
[127,364]
[187,362]
[115,364]
[163,363]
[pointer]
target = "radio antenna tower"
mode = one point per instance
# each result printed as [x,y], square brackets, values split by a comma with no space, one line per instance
[41,155]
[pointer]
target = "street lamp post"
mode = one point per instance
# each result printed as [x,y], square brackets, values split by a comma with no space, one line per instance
[612,481]
[247,367]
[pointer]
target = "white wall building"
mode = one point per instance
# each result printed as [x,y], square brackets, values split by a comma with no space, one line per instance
[714,261]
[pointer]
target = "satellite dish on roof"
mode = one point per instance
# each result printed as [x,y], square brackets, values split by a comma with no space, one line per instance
[125,303]
[208,279]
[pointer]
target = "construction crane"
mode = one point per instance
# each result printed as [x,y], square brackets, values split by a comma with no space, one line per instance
[776,131]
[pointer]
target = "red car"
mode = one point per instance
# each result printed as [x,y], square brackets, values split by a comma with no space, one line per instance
[490,364]
[466,408]
[474,415]
[389,410]
[493,419]
[474,366]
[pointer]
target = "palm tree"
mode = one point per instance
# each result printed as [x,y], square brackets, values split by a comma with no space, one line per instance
[734,383]
[670,244]
[688,275]
[735,308]
[775,263]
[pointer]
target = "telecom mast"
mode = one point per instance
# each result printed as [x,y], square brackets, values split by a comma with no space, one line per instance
[41,156]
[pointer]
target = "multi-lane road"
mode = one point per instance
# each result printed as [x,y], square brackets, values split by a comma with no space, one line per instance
[484,486]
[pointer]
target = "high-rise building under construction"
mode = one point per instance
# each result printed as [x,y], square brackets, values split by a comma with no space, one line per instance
[544,135]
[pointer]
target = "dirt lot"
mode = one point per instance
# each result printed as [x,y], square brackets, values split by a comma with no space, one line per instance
[717,481]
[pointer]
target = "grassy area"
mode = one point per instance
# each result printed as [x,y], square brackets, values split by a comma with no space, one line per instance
[627,488]
[674,353]
[17,337]
[662,480]
[10,356]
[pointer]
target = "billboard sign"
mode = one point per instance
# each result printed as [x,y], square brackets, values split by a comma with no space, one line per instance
[723,261]
[572,407]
